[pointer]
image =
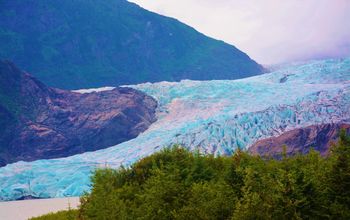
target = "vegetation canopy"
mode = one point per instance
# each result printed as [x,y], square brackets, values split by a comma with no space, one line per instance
[178,184]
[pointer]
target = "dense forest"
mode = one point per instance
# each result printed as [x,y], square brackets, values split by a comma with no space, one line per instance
[178,184]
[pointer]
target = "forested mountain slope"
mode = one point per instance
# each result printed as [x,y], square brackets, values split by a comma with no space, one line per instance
[86,43]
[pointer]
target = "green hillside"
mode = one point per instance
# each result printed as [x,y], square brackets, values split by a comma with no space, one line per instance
[87,43]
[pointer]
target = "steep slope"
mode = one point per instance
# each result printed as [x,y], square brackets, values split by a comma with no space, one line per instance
[300,140]
[41,122]
[85,44]
[214,117]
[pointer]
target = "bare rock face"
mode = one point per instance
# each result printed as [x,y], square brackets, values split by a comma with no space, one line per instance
[41,122]
[301,140]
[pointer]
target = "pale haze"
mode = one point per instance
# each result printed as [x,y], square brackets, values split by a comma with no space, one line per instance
[269,31]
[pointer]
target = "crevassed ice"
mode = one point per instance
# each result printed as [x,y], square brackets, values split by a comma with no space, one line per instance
[212,116]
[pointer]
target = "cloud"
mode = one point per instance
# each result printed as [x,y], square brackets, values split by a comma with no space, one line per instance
[270,31]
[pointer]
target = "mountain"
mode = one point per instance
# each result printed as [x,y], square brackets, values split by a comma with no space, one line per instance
[86,43]
[215,117]
[41,122]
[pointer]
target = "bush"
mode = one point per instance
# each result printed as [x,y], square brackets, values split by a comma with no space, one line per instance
[178,184]
[61,215]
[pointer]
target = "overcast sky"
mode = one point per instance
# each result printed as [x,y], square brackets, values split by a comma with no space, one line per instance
[269,31]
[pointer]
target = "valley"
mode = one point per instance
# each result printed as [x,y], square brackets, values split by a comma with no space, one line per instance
[138,109]
[215,117]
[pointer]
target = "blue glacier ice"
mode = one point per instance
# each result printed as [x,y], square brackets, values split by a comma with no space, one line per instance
[214,117]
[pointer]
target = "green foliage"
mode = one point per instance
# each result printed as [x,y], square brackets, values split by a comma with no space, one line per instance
[339,179]
[61,215]
[178,184]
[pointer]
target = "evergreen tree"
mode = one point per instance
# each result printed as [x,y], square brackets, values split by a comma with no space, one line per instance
[339,179]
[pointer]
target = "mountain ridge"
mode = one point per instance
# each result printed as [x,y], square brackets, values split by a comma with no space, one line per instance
[111,43]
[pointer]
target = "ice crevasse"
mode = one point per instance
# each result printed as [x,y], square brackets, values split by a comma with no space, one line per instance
[214,117]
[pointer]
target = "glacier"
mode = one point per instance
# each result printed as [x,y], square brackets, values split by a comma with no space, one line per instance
[215,117]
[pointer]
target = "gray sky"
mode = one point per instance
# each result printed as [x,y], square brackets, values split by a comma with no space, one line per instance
[269,31]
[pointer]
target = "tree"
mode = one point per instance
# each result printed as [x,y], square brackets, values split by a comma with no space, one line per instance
[339,178]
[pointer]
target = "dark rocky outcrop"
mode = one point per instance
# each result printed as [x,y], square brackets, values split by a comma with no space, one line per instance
[301,140]
[42,122]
